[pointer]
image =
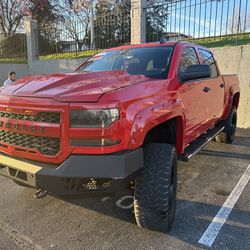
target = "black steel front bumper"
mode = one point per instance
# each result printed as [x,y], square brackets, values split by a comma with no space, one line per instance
[79,174]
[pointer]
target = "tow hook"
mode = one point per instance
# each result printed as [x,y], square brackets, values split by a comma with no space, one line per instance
[40,193]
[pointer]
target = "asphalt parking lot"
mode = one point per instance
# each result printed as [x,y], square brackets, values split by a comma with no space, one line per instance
[204,184]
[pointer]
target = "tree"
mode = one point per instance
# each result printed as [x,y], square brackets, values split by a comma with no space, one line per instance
[11,15]
[73,20]
[156,19]
[112,23]
[43,11]
[158,13]
[13,12]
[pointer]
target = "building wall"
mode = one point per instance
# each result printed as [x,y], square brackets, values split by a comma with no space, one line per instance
[39,67]
[236,60]
[52,66]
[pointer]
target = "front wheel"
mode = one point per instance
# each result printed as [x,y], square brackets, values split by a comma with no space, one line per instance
[228,134]
[155,188]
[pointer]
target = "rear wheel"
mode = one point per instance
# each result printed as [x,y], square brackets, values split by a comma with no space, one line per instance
[155,188]
[228,134]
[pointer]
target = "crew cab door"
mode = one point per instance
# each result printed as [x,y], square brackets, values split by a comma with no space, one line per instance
[215,85]
[195,98]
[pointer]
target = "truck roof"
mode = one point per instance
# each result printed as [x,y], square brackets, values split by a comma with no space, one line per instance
[154,44]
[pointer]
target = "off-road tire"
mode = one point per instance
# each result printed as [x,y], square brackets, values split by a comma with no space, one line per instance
[155,188]
[228,134]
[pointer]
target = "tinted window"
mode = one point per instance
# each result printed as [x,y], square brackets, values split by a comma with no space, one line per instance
[152,62]
[207,58]
[188,57]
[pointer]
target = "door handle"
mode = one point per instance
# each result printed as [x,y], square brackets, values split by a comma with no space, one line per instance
[222,85]
[206,89]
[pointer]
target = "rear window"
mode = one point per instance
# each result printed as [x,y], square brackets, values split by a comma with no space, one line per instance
[152,62]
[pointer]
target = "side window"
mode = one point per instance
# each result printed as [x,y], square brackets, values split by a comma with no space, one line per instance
[207,58]
[188,57]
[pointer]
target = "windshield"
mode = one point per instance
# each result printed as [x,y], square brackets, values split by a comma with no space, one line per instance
[151,62]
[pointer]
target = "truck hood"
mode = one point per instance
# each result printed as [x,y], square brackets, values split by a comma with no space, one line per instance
[72,87]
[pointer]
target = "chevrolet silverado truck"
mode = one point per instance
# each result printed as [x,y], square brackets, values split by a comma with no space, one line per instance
[126,115]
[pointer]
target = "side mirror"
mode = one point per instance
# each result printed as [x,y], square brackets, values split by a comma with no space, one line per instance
[196,71]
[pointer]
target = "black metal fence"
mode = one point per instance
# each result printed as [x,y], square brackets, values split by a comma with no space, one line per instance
[112,29]
[13,48]
[208,22]
[72,39]
[198,19]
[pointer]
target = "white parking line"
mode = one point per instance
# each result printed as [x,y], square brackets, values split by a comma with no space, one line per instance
[122,199]
[212,231]
[105,198]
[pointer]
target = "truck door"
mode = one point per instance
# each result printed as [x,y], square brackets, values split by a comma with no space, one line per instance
[194,97]
[216,86]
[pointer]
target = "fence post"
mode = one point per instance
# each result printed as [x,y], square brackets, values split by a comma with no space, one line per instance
[92,29]
[32,39]
[138,21]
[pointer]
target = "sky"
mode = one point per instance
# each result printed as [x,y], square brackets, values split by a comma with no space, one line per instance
[203,18]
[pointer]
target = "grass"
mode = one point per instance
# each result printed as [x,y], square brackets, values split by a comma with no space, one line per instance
[224,41]
[69,55]
[13,60]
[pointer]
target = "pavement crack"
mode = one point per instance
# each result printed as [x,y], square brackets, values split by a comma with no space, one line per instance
[22,241]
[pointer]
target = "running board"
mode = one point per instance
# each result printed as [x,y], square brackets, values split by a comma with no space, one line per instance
[199,143]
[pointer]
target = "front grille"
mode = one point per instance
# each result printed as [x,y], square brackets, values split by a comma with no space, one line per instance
[45,145]
[49,117]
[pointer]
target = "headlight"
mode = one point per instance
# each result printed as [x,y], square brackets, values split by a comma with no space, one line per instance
[93,118]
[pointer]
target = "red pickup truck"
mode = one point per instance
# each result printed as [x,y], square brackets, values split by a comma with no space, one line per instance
[125,116]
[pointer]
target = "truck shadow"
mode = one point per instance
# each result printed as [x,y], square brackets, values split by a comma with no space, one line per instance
[243,141]
[115,206]
[192,219]
[225,154]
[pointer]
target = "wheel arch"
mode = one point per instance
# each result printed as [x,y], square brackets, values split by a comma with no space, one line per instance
[169,131]
[236,100]
[233,100]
